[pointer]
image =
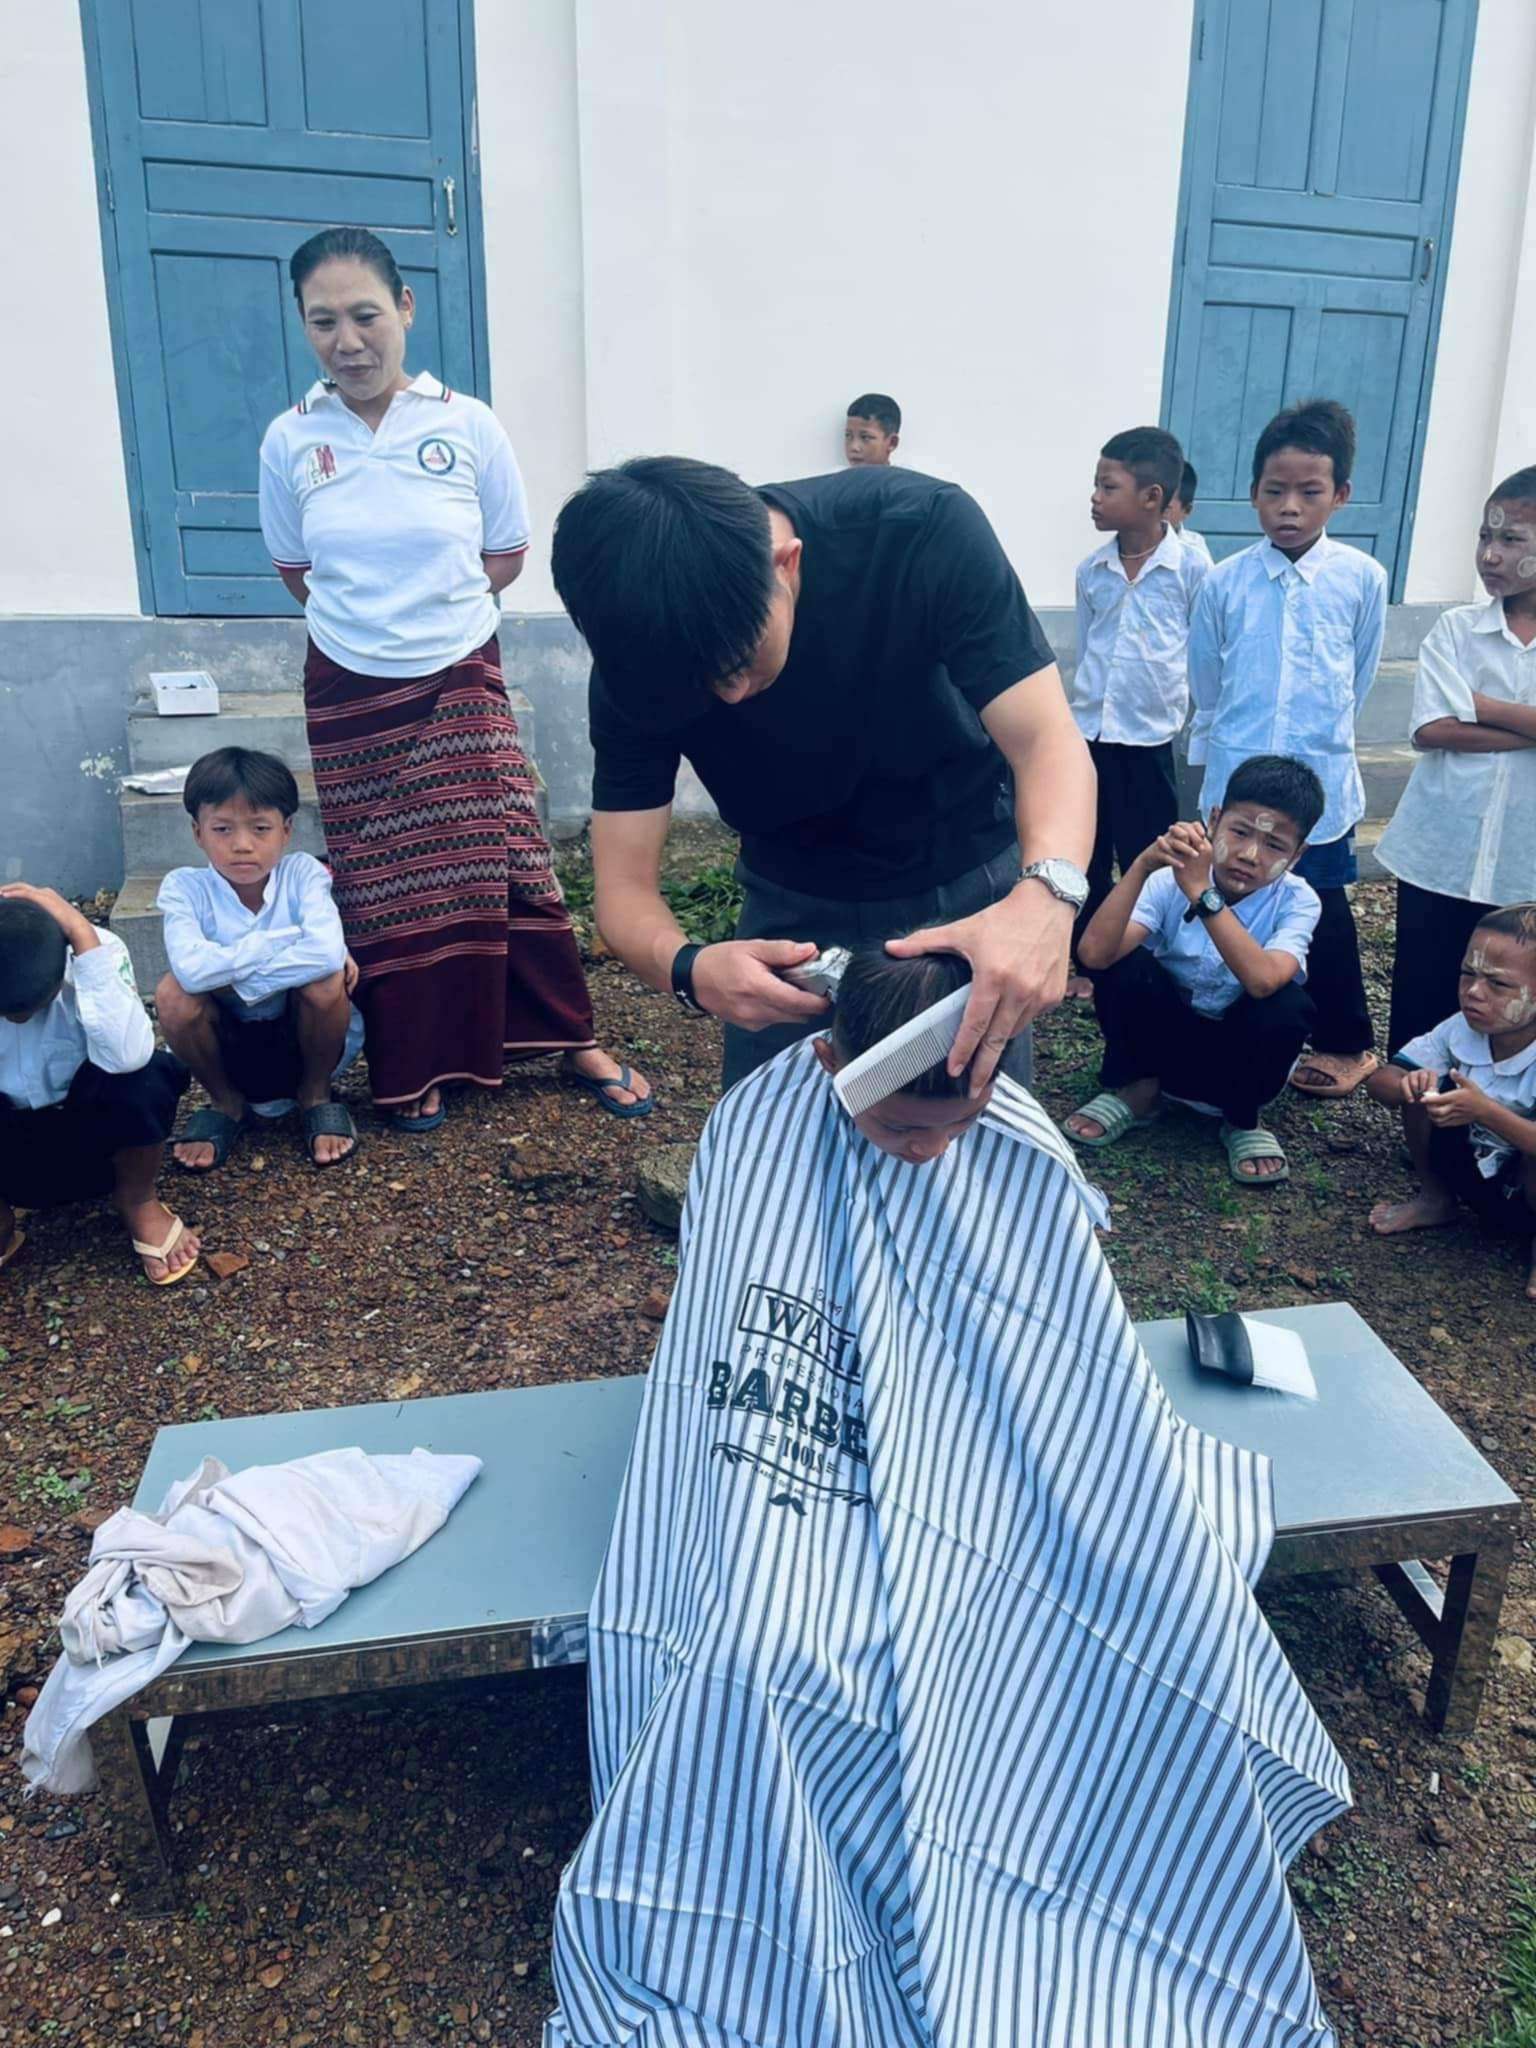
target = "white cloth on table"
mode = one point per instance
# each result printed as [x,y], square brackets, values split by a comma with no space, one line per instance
[930,1704]
[1466,824]
[1281,917]
[1454,1045]
[95,1016]
[1282,655]
[228,1558]
[1131,683]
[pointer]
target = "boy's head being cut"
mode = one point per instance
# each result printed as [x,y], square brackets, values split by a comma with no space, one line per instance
[877,995]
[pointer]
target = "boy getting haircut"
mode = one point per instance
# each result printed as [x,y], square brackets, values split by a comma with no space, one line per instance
[1463,837]
[1198,957]
[1466,1092]
[1283,650]
[86,1102]
[256,1000]
[879,993]
[1129,693]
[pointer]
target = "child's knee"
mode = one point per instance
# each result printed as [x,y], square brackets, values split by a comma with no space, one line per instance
[321,994]
[175,1005]
[1287,1013]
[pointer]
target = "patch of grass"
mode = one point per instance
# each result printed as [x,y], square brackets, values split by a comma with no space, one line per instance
[1208,1292]
[55,1488]
[1517,1979]
[62,1409]
[1330,1890]
[707,904]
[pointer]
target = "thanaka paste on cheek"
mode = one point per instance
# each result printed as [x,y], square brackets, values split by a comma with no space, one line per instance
[1223,848]
[1277,868]
[1525,568]
[1520,1009]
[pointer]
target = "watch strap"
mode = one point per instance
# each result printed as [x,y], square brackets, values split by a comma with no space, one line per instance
[682,978]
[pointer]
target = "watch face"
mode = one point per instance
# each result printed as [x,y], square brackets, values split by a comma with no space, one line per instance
[1067,881]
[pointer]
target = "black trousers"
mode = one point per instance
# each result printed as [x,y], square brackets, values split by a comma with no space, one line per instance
[1138,801]
[1432,935]
[1239,1060]
[64,1153]
[1334,980]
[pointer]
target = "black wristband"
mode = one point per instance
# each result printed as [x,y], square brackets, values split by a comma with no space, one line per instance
[682,978]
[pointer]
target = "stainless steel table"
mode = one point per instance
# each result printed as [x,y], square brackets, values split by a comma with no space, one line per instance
[1373,1476]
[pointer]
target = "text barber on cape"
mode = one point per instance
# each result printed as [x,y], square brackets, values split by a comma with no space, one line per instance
[851,667]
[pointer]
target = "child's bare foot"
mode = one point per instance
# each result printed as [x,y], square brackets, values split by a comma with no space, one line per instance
[152,1223]
[12,1236]
[1420,1212]
[1079,989]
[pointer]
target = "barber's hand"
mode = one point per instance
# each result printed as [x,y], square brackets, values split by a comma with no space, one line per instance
[741,982]
[74,924]
[1018,950]
[1462,1103]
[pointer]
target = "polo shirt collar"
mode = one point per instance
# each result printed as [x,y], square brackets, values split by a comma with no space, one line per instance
[1469,1046]
[1307,566]
[424,385]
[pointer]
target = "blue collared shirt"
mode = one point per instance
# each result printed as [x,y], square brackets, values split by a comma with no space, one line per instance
[1281,917]
[1282,655]
[1131,684]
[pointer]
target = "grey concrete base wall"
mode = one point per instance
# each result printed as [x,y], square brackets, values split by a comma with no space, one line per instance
[66,686]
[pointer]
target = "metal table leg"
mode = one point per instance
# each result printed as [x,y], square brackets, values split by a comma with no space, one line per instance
[136,1792]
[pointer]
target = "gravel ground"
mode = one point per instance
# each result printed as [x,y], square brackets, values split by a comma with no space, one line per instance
[387,1876]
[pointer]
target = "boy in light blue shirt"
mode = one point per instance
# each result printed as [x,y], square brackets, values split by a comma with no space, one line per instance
[1283,650]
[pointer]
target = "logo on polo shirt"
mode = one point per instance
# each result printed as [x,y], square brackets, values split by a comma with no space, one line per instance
[435,456]
[320,465]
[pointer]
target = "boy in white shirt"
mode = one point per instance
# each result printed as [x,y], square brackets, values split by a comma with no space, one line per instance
[257,999]
[1198,957]
[1283,650]
[1463,837]
[1130,691]
[86,1103]
[1467,1093]
[1180,505]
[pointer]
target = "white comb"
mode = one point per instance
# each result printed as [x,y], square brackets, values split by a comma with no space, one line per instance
[911,1049]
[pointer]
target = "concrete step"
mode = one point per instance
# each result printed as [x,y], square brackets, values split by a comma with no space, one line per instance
[157,833]
[137,923]
[270,721]
[1388,709]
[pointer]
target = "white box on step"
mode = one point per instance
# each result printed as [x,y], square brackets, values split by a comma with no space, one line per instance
[185,693]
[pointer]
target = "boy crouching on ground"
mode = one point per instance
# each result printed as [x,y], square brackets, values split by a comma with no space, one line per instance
[1197,958]
[1467,1093]
[257,1001]
[86,1103]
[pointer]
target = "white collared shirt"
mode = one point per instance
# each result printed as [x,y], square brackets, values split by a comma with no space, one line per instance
[213,942]
[1282,655]
[1199,543]
[1131,685]
[95,1016]
[1511,1083]
[1281,917]
[390,526]
[1466,824]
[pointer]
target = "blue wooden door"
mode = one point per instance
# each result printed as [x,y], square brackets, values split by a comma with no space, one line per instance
[231,130]
[1319,164]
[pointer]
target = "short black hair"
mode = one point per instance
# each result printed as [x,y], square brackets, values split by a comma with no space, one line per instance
[878,406]
[1281,784]
[1519,489]
[1187,485]
[358,243]
[33,950]
[1318,426]
[666,566]
[1515,921]
[1151,454]
[266,783]
[879,993]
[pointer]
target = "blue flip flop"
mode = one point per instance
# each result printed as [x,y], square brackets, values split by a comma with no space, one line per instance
[417,1126]
[623,1079]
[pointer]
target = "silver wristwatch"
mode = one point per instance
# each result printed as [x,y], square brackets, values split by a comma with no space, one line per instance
[1066,882]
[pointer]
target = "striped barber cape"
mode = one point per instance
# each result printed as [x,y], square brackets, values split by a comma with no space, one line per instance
[930,1703]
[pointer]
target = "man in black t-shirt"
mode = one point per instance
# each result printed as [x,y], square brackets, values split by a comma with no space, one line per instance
[852,669]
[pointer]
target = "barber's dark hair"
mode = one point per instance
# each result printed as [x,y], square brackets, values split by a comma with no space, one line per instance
[1280,784]
[33,949]
[1152,456]
[1319,426]
[359,243]
[879,993]
[879,407]
[1187,485]
[1515,921]
[1519,489]
[266,783]
[666,566]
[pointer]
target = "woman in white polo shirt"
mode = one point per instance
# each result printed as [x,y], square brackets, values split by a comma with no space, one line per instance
[394,512]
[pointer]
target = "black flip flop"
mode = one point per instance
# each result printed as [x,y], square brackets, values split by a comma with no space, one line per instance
[210,1127]
[327,1120]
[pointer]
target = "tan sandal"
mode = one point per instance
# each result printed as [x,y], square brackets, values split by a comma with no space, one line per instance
[173,1237]
[1346,1069]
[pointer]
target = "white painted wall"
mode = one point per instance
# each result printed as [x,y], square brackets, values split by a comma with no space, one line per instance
[65,540]
[1485,369]
[783,210]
